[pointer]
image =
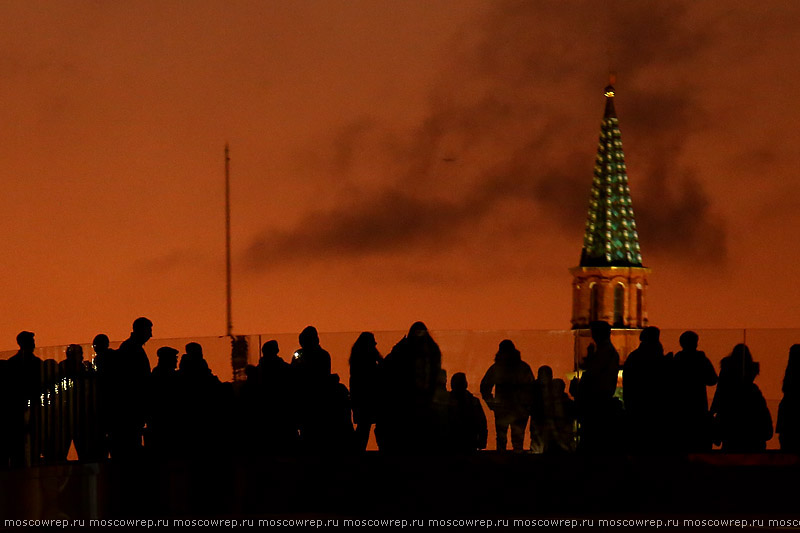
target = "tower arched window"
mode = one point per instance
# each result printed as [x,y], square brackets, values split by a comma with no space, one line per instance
[595,301]
[639,305]
[619,305]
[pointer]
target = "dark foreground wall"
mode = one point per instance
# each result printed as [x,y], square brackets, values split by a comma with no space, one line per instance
[491,485]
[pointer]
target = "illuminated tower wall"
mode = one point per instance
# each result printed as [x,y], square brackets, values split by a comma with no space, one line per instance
[610,282]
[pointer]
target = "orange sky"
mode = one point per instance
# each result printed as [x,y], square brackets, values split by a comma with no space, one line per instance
[391,161]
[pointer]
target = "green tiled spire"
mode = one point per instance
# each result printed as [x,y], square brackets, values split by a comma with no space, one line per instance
[611,238]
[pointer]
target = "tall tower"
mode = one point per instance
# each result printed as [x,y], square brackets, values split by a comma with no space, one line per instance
[610,282]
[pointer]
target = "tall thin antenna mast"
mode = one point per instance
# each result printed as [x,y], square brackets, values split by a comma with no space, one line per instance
[229,326]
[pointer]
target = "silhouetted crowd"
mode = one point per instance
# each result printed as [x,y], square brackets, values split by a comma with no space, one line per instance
[116,406]
[665,399]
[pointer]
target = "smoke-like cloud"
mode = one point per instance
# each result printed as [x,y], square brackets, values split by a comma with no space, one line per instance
[503,127]
[393,220]
[675,213]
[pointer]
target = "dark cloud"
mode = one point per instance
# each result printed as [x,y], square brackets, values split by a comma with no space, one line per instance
[647,35]
[674,211]
[503,127]
[393,220]
[678,220]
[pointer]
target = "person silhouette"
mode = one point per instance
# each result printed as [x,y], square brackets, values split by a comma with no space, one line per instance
[741,415]
[275,414]
[542,385]
[466,421]
[364,386]
[72,365]
[79,422]
[25,382]
[788,425]
[193,364]
[199,406]
[167,366]
[598,409]
[163,416]
[129,380]
[409,376]
[563,419]
[552,416]
[507,389]
[644,388]
[693,372]
[102,352]
[311,361]
[103,360]
[311,367]
[332,430]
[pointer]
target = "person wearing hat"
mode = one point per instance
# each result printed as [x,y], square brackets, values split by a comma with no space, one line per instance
[167,362]
[162,412]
